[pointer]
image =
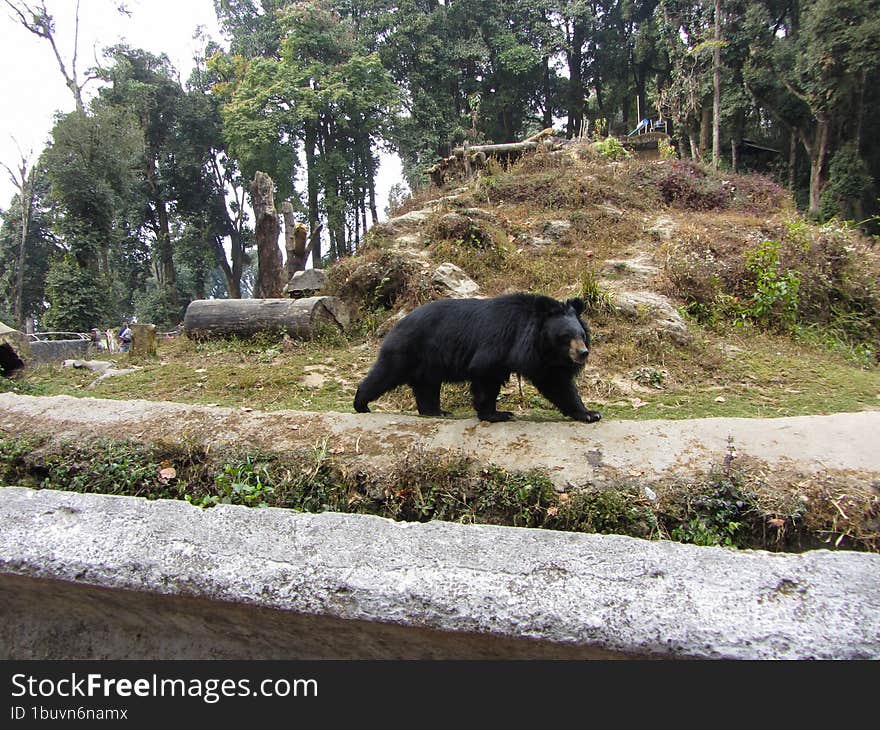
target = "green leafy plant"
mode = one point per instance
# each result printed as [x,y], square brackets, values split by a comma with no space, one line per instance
[775,299]
[611,148]
[247,482]
[666,149]
[596,297]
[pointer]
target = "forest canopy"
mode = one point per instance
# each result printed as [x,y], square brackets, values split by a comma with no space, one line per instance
[139,202]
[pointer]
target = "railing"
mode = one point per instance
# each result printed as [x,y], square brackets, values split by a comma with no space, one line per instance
[50,336]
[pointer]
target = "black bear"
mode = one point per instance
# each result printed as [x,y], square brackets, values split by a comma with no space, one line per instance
[483,341]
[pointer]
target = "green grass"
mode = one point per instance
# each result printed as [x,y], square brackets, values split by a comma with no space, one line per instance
[766,375]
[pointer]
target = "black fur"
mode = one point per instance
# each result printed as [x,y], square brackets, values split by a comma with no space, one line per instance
[483,341]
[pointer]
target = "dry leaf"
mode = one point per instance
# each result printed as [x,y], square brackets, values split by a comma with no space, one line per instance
[167,474]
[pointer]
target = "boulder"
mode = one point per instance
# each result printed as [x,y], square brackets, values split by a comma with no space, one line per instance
[454,281]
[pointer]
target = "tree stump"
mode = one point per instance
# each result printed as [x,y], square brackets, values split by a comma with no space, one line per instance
[270,274]
[143,340]
[300,318]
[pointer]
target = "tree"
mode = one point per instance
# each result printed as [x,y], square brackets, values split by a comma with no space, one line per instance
[23,270]
[716,88]
[326,97]
[35,18]
[145,87]
[207,177]
[810,67]
[23,180]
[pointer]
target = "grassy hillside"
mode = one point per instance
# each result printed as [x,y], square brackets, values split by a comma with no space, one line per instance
[775,316]
[709,295]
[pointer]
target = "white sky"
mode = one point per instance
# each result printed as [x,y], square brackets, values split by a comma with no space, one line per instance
[32,88]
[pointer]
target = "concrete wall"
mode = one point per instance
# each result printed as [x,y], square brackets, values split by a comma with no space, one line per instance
[57,350]
[97,577]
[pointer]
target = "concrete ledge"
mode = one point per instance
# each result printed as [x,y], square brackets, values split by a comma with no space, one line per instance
[842,445]
[96,577]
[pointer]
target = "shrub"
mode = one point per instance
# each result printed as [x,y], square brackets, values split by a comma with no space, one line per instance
[611,148]
[687,185]
[775,299]
[666,149]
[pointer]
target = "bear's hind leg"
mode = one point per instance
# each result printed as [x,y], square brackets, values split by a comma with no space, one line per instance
[428,399]
[485,398]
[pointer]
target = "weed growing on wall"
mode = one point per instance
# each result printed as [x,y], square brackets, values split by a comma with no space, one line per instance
[729,506]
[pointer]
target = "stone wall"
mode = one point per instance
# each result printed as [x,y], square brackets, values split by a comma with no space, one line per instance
[98,577]
[57,350]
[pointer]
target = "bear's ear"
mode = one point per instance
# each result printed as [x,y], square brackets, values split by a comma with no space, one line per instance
[578,305]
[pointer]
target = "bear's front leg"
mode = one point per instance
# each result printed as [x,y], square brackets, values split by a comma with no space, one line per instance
[485,398]
[564,395]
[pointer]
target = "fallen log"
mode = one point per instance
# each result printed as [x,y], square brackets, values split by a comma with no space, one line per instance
[499,149]
[542,139]
[300,318]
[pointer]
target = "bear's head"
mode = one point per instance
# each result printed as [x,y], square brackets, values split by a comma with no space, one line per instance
[565,338]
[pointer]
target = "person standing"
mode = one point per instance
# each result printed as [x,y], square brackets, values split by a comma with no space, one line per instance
[125,337]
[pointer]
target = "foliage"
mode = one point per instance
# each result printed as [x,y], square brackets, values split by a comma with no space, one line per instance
[78,299]
[40,250]
[728,505]
[686,184]
[850,185]
[596,297]
[775,299]
[155,305]
[610,148]
[148,181]
[666,149]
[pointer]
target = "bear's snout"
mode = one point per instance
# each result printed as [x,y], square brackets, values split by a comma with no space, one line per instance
[578,351]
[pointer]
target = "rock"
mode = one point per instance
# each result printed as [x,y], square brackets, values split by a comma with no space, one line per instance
[454,281]
[384,328]
[112,373]
[484,215]
[638,267]
[662,228]
[611,210]
[526,240]
[408,241]
[406,222]
[556,228]
[305,283]
[454,225]
[666,317]
[97,366]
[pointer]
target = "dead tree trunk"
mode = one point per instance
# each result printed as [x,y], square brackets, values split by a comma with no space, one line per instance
[270,276]
[143,340]
[301,318]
